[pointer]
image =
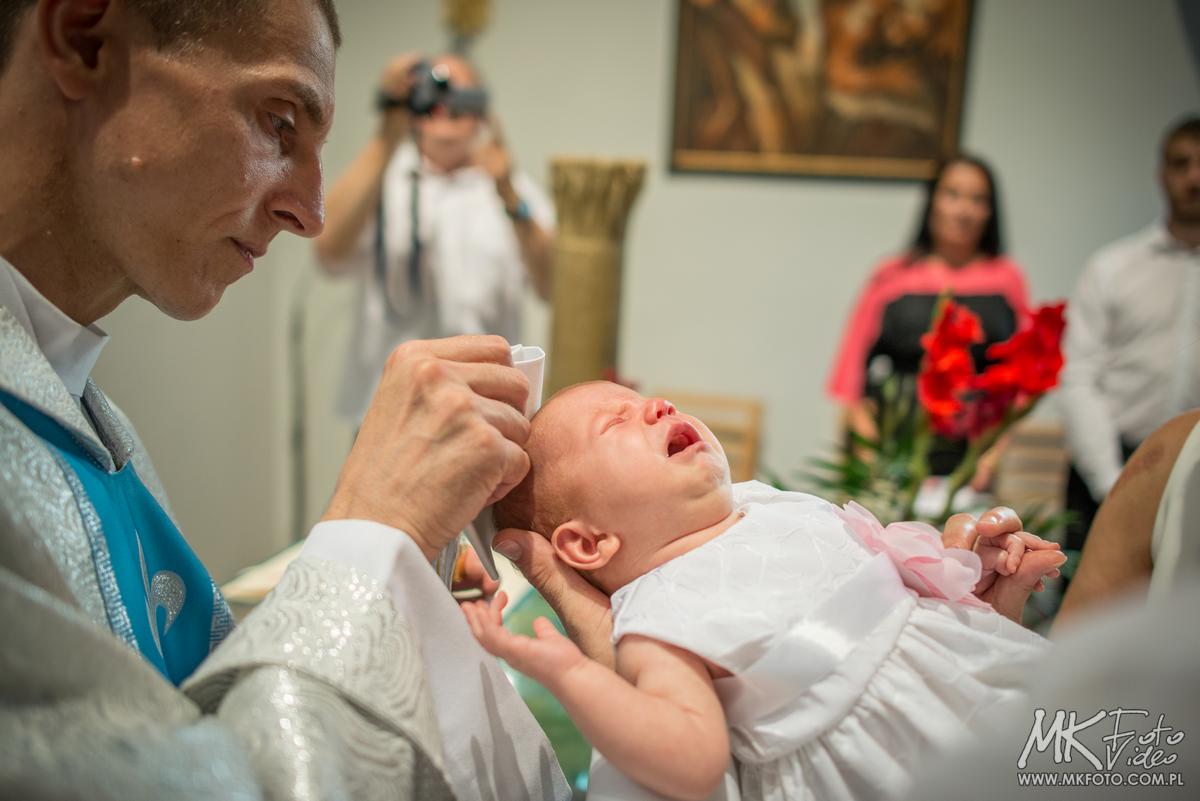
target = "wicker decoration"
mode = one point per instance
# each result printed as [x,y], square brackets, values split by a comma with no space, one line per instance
[592,199]
[466,19]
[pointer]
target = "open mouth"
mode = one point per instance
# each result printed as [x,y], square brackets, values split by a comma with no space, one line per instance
[682,436]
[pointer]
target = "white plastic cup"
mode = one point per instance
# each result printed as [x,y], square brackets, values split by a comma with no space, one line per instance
[531,360]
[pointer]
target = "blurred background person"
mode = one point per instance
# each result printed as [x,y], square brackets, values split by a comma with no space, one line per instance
[433,221]
[959,247]
[1133,335]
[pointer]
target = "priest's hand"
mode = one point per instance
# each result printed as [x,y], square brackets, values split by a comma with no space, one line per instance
[443,438]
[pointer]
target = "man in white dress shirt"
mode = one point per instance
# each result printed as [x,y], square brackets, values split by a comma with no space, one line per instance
[1133,334]
[432,220]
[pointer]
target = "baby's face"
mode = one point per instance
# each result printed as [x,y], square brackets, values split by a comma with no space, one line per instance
[634,466]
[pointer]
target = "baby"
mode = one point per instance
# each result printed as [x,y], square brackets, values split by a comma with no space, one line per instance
[823,652]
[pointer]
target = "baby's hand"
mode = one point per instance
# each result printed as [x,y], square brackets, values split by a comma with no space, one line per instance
[1003,553]
[998,538]
[547,658]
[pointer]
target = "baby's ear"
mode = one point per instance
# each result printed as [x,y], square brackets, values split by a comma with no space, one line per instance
[584,547]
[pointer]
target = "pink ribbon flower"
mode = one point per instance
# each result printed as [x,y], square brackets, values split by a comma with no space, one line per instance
[925,565]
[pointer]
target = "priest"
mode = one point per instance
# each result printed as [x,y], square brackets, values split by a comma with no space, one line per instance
[155,148]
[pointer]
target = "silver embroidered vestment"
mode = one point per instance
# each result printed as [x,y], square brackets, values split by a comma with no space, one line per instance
[319,694]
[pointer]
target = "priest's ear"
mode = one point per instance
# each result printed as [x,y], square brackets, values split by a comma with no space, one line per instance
[584,547]
[78,40]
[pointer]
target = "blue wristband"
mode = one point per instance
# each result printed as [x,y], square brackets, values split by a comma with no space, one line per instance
[521,212]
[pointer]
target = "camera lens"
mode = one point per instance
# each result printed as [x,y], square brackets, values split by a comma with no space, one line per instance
[441,76]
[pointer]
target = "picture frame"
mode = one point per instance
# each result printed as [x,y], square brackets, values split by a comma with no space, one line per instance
[851,88]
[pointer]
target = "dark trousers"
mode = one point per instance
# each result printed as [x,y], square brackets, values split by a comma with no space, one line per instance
[1079,501]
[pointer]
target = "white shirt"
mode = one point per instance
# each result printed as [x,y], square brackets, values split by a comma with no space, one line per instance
[1133,358]
[472,274]
[475,704]
[71,349]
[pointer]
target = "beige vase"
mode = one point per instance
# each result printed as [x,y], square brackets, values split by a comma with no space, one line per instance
[592,199]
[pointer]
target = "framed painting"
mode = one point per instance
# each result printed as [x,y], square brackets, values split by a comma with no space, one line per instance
[864,88]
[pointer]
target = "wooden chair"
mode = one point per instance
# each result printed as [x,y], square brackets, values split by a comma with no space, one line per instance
[736,422]
[1033,468]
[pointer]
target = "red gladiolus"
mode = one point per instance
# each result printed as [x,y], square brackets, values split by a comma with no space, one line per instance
[957,327]
[958,403]
[940,393]
[1028,364]
[948,371]
[987,411]
[1025,367]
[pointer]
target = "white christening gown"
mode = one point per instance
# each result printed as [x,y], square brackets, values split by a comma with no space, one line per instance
[845,674]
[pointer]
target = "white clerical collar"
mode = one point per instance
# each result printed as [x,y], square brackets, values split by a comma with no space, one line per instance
[71,349]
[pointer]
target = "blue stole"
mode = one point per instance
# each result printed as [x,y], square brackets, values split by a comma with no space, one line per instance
[164,602]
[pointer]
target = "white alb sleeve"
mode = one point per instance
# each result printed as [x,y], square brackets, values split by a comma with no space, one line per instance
[490,740]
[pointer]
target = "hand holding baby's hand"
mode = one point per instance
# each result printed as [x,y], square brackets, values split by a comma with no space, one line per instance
[1015,562]
[546,658]
[1003,554]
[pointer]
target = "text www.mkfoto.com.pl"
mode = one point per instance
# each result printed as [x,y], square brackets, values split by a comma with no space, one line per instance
[1099,779]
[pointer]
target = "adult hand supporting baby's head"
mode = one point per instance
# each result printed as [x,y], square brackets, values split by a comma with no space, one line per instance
[584,610]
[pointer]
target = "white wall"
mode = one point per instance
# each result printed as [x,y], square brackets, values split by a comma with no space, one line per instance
[201,397]
[733,284]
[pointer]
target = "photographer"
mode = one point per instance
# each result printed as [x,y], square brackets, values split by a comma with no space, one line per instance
[434,222]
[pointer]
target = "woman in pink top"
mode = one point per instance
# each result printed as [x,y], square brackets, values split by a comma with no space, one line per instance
[958,247]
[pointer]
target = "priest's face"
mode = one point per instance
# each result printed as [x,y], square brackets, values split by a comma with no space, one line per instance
[198,156]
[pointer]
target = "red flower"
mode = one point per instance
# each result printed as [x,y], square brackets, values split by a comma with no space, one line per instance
[957,327]
[1028,364]
[987,411]
[948,370]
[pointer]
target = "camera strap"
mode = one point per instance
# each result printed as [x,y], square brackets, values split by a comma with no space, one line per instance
[414,233]
[414,251]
